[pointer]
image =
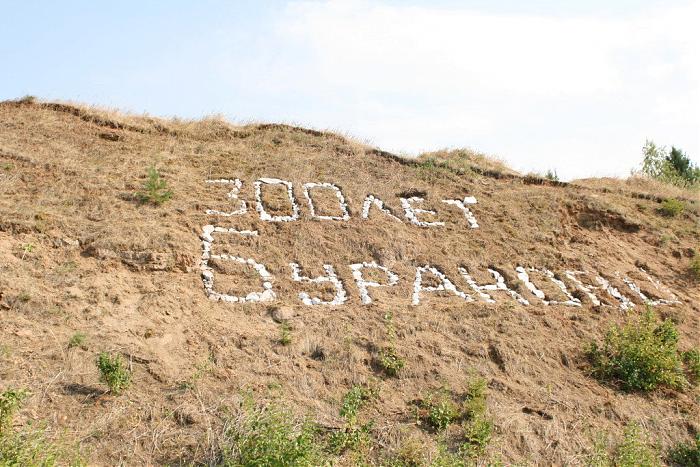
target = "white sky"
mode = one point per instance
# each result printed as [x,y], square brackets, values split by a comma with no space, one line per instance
[570,88]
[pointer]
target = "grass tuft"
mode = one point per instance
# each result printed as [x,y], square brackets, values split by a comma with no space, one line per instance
[77,340]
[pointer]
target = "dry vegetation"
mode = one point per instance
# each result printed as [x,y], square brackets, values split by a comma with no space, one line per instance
[88,269]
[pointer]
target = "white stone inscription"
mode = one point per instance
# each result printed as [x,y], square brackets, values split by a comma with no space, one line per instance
[330,276]
[266,294]
[339,194]
[593,289]
[462,205]
[413,212]
[363,285]
[445,284]
[379,204]
[264,215]
[233,196]
[500,285]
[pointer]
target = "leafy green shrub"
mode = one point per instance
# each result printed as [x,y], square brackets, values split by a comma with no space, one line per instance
[438,410]
[353,401]
[271,437]
[640,356]
[686,454]
[671,207]
[113,372]
[350,437]
[477,435]
[155,189]
[475,401]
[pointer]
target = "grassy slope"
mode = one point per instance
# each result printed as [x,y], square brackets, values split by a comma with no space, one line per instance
[131,284]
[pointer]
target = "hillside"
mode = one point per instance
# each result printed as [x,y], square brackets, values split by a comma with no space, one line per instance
[195,310]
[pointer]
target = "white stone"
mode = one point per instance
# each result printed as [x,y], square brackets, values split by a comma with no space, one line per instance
[208,274]
[524,276]
[379,204]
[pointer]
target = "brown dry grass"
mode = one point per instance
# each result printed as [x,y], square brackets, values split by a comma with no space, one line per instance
[131,284]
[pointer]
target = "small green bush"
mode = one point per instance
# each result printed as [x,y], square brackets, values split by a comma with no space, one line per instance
[350,437]
[438,410]
[686,454]
[271,437]
[113,373]
[551,175]
[390,361]
[671,207]
[673,167]
[477,435]
[353,401]
[640,356]
[155,189]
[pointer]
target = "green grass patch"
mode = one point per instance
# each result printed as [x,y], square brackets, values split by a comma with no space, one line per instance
[28,446]
[695,266]
[691,359]
[285,334]
[353,435]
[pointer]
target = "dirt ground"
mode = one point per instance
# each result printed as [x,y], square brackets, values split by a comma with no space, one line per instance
[79,253]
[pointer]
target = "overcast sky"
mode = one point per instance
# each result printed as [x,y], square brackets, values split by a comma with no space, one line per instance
[573,86]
